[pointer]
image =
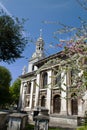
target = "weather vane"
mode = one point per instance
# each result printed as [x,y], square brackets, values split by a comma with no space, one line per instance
[40,32]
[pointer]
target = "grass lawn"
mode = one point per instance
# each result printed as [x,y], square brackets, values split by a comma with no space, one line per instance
[55,128]
[82,128]
[31,127]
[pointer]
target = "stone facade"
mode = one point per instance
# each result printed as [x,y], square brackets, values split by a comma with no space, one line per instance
[41,87]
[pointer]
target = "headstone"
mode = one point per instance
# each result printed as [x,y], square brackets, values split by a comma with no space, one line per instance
[42,119]
[17,121]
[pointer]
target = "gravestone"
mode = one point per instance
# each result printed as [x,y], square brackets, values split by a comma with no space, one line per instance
[42,119]
[39,109]
[17,121]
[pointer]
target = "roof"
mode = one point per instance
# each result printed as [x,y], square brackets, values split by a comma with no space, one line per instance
[42,61]
[27,74]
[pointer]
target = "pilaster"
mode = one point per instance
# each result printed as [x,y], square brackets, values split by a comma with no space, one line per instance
[31,95]
[48,101]
[63,94]
[37,90]
[23,97]
[20,98]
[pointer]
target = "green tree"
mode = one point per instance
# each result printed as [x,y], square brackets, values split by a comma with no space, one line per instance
[5,79]
[15,91]
[12,40]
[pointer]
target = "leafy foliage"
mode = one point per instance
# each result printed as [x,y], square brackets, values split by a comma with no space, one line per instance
[5,79]
[12,40]
[15,91]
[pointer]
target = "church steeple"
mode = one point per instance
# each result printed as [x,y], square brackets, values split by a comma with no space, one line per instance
[38,54]
[40,32]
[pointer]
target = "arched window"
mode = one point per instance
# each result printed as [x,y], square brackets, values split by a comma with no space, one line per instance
[45,79]
[43,101]
[56,104]
[74,104]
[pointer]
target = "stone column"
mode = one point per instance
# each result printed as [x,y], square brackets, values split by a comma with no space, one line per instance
[37,90]
[23,96]
[63,95]
[31,94]
[20,98]
[48,100]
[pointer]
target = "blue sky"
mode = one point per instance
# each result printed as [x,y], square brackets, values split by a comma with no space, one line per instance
[64,11]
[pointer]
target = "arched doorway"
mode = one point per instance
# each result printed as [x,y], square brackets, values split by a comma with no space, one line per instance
[56,104]
[43,101]
[74,104]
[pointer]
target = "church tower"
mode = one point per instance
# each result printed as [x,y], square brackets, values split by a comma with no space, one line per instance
[38,54]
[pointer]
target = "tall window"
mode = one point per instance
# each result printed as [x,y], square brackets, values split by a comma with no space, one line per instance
[33,68]
[29,88]
[34,87]
[74,104]
[43,101]
[44,79]
[56,104]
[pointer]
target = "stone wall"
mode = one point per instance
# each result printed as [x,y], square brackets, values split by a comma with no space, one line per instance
[64,121]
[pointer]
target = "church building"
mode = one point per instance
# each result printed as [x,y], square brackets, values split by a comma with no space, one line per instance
[40,86]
